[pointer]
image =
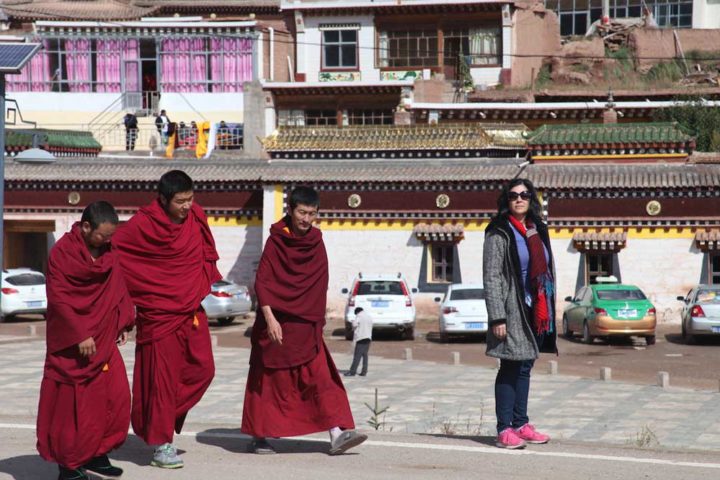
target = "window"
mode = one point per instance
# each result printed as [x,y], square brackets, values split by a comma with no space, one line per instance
[379,287]
[442,262]
[320,117]
[340,49]
[714,272]
[408,48]
[598,265]
[370,117]
[480,46]
[468,294]
[624,294]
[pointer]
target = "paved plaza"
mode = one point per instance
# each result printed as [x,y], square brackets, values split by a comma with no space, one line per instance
[431,398]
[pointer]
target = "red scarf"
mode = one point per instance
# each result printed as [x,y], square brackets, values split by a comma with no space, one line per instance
[169,267]
[86,298]
[541,286]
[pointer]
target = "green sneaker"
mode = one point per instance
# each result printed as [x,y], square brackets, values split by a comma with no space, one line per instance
[166,456]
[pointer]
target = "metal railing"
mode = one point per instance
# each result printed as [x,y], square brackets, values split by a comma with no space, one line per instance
[114,137]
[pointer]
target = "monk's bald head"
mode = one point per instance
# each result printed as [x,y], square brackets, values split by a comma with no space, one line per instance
[98,223]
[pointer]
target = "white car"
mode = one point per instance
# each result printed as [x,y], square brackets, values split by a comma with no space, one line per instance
[387,298]
[226,301]
[463,311]
[23,291]
[701,312]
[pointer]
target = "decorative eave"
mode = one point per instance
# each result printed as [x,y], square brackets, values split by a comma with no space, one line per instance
[708,240]
[599,241]
[336,88]
[142,28]
[392,7]
[436,232]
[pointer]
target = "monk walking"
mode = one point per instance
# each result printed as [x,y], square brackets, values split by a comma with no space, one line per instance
[293,386]
[84,408]
[168,255]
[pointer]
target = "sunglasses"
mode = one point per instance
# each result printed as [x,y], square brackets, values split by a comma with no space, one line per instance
[512,196]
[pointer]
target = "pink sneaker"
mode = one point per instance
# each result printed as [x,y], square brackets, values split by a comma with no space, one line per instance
[508,438]
[528,433]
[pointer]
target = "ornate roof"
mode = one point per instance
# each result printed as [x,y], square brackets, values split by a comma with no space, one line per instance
[395,138]
[599,241]
[59,142]
[472,171]
[436,232]
[707,240]
[615,134]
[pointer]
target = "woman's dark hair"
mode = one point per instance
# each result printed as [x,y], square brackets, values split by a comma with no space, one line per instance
[503,210]
[98,213]
[304,195]
[174,182]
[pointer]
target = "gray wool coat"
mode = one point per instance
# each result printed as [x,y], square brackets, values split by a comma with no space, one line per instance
[504,296]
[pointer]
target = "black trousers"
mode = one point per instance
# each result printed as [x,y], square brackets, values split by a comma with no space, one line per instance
[362,348]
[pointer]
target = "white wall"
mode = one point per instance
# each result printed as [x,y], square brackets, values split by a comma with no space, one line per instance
[706,14]
[485,76]
[182,106]
[239,248]
[366,44]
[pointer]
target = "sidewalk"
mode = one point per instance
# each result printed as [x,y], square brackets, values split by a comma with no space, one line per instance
[425,397]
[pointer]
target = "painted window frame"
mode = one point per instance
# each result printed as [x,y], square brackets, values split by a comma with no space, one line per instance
[600,271]
[446,250]
[324,43]
[714,267]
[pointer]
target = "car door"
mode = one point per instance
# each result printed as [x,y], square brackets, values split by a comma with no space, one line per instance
[574,312]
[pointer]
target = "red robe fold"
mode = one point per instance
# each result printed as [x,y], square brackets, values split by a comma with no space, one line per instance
[293,388]
[169,269]
[84,407]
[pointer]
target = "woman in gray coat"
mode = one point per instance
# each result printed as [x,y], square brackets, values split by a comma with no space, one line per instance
[520,297]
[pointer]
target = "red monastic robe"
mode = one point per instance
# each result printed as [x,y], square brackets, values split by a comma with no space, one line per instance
[169,270]
[84,408]
[293,388]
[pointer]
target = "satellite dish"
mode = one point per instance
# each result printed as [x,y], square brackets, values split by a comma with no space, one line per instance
[35,155]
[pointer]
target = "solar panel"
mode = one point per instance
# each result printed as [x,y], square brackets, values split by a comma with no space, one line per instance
[13,56]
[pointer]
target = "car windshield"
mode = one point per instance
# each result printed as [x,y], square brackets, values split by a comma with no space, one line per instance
[628,294]
[221,283]
[708,296]
[380,287]
[26,279]
[468,294]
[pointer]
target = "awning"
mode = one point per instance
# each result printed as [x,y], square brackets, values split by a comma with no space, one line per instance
[599,241]
[708,240]
[436,232]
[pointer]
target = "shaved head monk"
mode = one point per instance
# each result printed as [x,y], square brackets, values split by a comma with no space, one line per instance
[84,409]
[293,386]
[168,255]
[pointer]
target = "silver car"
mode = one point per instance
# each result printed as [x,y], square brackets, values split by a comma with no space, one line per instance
[226,301]
[463,311]
[701,312]
[23,291]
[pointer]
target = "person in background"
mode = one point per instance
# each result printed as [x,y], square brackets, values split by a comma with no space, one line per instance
[162,123]
[362,338]
[131,131]
[520,296]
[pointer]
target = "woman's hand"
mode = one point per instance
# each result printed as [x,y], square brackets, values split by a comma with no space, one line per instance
[500,331]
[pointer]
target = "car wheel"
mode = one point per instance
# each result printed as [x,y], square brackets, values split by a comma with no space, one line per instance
[348,333]
[687,338]
[587,338]
[650,340]
[444,337]
[409,333]
[225,321]
[567,333]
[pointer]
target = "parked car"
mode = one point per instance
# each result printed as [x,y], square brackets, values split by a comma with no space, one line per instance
[609,309]
[23,291]
[387,298]
[701,312]
[226,301]
[463,311]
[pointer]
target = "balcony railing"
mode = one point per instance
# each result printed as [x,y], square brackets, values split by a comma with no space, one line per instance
[114,137]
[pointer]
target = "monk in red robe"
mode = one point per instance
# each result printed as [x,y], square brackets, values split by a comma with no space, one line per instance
[168,255]
[84,408]
[293,386]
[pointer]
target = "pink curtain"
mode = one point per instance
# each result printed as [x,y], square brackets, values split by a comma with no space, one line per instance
[77,65]
[35,76]
[231,63]
[131,51]
[110,58]
[184,65]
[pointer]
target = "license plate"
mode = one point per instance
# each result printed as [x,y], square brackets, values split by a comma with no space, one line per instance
[716,329]
[35,304]
[625,313]
[240,295]
[475,326]
[380,303]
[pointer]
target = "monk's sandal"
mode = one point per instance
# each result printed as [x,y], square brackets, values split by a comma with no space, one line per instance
[166,456]
[103,466]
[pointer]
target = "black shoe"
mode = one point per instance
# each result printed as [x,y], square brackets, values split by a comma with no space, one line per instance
[71,474]
[103,466]
[363,374]
[349,374]
[260,446]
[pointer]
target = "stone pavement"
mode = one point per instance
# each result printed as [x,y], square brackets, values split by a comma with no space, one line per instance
[426,397]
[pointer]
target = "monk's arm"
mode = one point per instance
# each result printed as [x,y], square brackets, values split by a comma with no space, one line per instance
[273,326]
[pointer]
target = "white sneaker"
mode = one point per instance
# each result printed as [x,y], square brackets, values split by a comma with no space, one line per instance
[165,456]
[345,441]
